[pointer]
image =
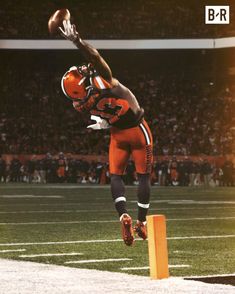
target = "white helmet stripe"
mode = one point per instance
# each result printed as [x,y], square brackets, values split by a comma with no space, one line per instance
[72,68]
[81,81]
[62,86]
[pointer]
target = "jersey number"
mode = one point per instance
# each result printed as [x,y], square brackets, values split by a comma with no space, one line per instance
[111,108]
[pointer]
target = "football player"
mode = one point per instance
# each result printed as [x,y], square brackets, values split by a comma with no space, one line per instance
[93,89]
[62,167]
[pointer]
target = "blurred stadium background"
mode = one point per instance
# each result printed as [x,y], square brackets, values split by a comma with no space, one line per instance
[189,100]
[188,95]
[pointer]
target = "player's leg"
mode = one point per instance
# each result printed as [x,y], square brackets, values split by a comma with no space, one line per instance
[143,196]
[143,158]
[118,193]
[118,158]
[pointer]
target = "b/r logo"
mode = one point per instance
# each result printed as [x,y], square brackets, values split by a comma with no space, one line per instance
[217,14]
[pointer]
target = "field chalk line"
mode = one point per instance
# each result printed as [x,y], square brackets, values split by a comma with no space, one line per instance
[147,267]
[113,240]
[100,211]
[111,221]
[97,260]
[50,254]
[12,250]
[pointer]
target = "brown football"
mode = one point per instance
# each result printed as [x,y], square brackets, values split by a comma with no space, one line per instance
[56,20]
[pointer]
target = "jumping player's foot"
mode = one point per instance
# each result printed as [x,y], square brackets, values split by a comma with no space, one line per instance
[127,230]
[140,229]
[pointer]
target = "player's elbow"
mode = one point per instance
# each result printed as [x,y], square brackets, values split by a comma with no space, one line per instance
[95,57]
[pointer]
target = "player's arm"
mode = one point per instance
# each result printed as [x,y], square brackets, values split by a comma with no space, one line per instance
[93,56]
[88,51]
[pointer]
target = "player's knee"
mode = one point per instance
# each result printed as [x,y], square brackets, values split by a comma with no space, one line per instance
[117,186]
[115,179]
[143,177]
[114,176]
[144,187]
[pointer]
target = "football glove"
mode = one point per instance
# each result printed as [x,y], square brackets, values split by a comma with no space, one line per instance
[69,32]
[100,123]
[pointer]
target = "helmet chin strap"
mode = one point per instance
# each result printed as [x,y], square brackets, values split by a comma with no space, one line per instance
[87,73]
[82,81]
[91,91]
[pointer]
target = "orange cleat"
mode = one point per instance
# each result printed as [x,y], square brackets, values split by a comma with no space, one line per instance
[140,229]
[127,230]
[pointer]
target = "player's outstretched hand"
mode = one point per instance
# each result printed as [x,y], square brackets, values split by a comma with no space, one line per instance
[69,31]
[100,123]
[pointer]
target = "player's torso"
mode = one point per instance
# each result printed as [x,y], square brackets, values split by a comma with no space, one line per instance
[174,164]
[119,107]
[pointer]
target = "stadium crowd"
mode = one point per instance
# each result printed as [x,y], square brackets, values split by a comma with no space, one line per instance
[190,111]
[102,19]
[187,116]
[169,171]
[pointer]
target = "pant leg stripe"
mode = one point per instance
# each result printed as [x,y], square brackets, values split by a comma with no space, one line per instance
[120,199]
[146,135]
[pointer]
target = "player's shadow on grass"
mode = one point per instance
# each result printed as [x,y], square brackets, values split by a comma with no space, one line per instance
[228,280]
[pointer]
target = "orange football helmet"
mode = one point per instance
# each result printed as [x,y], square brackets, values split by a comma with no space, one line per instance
[73,85]
[77,85]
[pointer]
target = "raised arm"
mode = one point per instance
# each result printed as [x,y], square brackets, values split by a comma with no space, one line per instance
[88,51]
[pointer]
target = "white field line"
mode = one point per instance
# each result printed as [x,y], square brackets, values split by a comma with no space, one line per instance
[51,254]
[147,267]
[56,211]
[62,242]
[102,211]
[12,250]
[181,251]
[111,204]
[166,201]
[59,222]
[97,260]
[192,202]
[189,201]
[179,265]
[113,240]
[17,195]
[112,221]
[134,268]
[36,211]
[201,218]
[202,237]
[31,196]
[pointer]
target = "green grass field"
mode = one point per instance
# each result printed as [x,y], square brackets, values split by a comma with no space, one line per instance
[59,219]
